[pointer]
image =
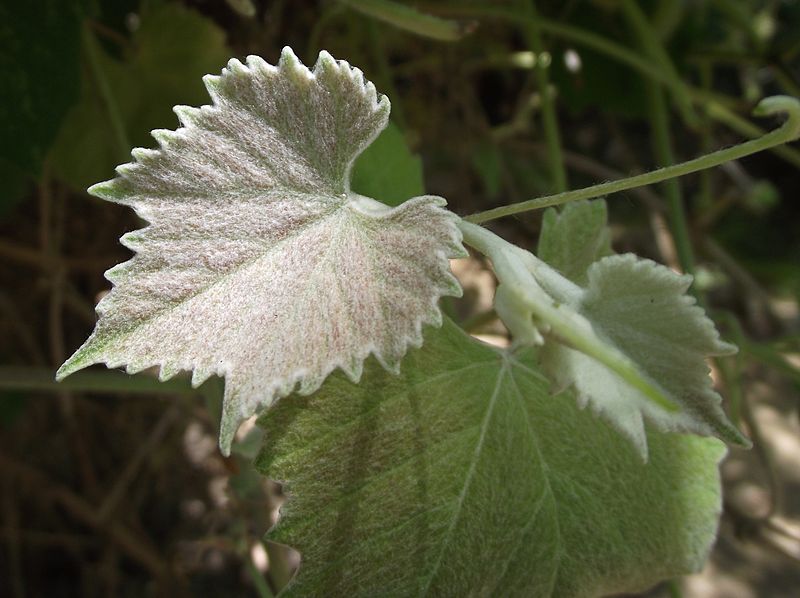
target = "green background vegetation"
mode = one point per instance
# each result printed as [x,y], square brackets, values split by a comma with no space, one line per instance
[109,483]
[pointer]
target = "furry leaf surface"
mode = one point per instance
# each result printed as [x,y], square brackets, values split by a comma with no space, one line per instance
[574,238]
[632,342]
[642,311]
[259,263]
[464,476]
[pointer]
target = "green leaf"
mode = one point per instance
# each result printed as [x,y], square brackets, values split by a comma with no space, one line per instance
[575,238]
[387,169]
[631,342]
[259,263]
[39,62]
[463,476]
[161,66]
[409,19]
[653,341]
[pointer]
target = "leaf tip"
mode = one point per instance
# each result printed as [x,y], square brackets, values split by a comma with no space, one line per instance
[187,115]
[256,63]
[212,83]
[727,431]
[325,61]
[236,67]
[106,190]
[76,362]
[725,348]
[291,64]
[232,418]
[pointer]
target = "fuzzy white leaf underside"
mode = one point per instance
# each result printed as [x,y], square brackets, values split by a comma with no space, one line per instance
[259,264]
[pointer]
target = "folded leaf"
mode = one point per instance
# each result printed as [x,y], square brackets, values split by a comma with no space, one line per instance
[632,342]
[641,310]
[464,476]
[259,264]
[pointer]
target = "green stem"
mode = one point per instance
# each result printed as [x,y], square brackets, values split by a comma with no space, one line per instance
[789,131]
[667,17]
[109,101]
[650,44]
[43,380]
[552,135]
[259,582]
[659,122]
[408,18]
[568,32]
[625,56]
[662,148]
[384,71]
[704,199]
[722,114]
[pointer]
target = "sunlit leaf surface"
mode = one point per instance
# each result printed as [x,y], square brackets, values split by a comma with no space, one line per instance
[259,264]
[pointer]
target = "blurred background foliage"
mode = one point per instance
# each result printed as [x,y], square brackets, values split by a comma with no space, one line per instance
[113,485]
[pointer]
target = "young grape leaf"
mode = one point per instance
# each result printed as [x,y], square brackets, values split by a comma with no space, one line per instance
[642,310]
[575,238]
[259,264]
[464,476]
[631,341]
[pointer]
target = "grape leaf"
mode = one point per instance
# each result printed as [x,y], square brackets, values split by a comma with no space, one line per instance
[632,342]
[464,476]
[259,264]
[575,238]
[641,309]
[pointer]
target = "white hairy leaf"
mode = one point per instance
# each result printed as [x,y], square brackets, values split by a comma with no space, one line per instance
[259,263]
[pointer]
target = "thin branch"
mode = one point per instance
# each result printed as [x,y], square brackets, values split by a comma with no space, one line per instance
[789,131]
[127,476]
[98,381]
[136,547]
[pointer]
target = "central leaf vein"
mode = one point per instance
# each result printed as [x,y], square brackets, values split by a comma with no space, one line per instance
[467,479]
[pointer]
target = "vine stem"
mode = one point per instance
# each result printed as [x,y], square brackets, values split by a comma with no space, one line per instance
[789,131]
[650,44]
[107,95]
[550,128]
[42,379]
[659,121]
[623,55]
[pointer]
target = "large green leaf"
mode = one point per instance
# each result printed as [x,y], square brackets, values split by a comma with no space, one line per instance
[160,67]
[464,476]
[259,263]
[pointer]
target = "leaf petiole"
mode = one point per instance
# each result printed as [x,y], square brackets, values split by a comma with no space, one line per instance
[789,131]
[523,301]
